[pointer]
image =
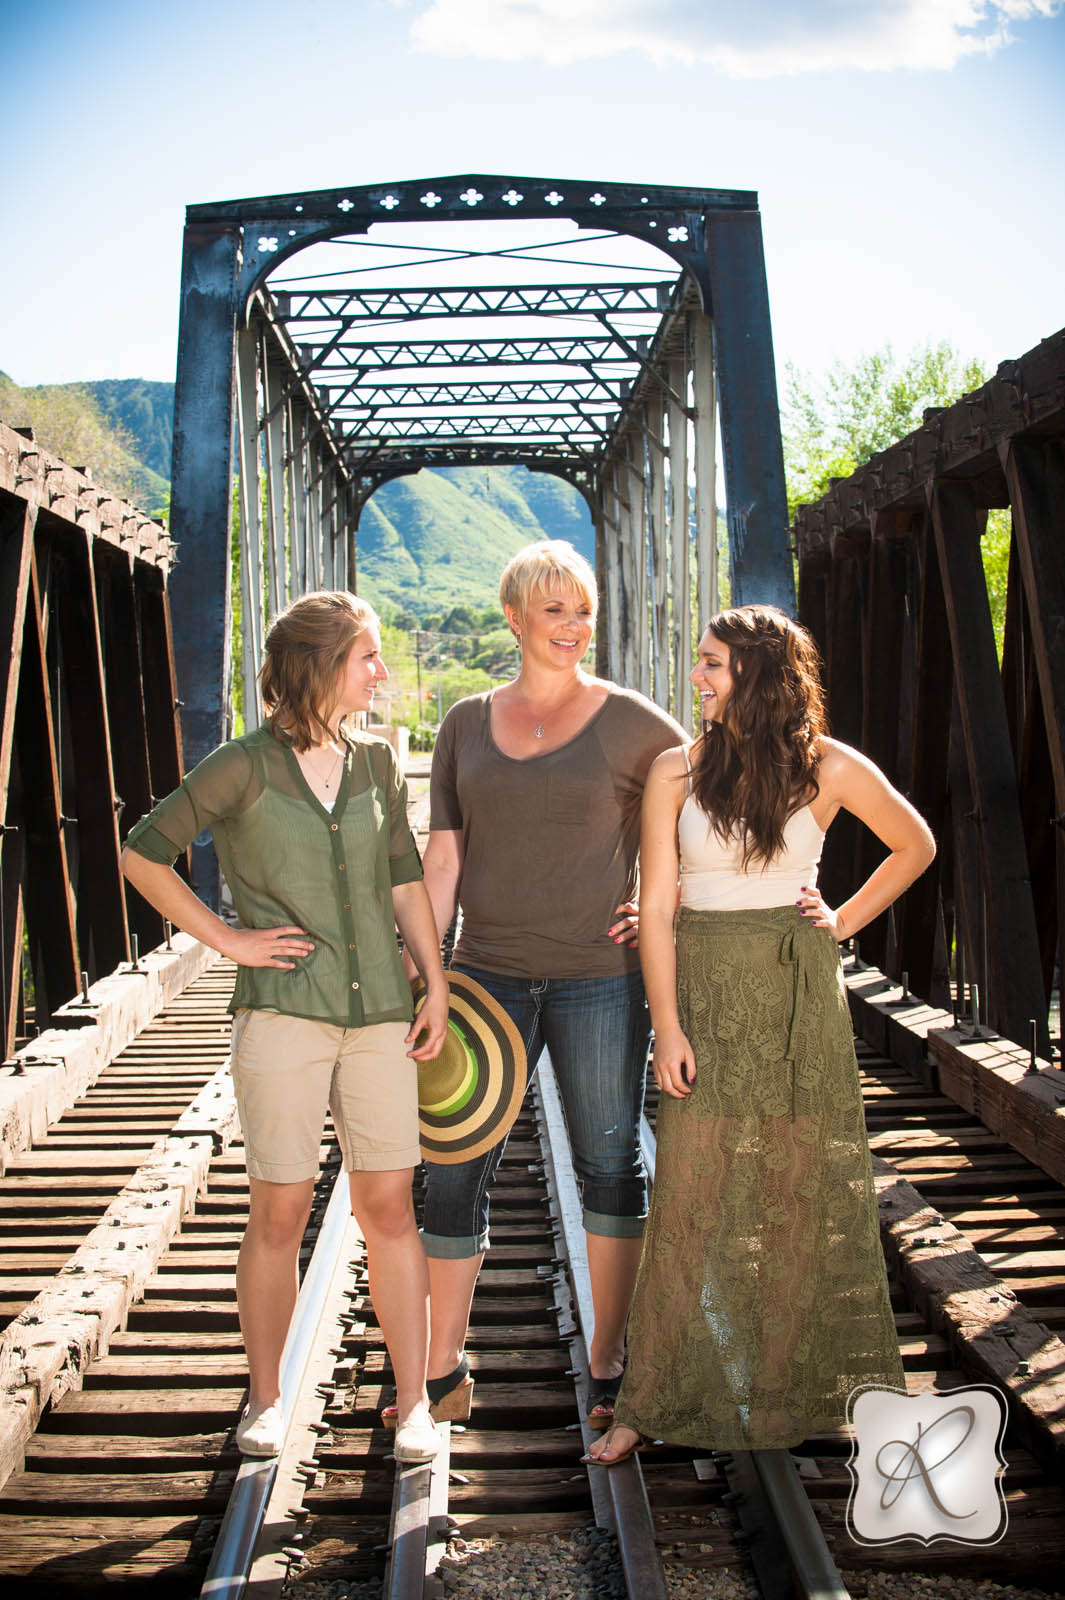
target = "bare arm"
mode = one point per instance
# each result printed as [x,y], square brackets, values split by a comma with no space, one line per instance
[414,918]
[851,781]
[663,796]
[442,868]
[173,899]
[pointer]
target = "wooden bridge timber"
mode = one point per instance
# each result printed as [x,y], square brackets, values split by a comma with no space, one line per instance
[90,729]
[892,586]
[960,984]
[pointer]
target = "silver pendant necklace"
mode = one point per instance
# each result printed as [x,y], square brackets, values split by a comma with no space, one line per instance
[539,731]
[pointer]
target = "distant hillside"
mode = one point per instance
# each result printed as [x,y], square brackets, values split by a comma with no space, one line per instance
[146,412]
[439,539]
[426,543]
[69,421]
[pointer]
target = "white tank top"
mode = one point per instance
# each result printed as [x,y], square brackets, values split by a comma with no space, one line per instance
[711,871]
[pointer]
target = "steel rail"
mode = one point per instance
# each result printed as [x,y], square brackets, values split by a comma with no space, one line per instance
[418,1525]
[634,1526]
[227,1575]
[815,1571]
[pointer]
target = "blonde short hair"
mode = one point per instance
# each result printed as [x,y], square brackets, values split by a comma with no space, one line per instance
[306,649]
[546,567]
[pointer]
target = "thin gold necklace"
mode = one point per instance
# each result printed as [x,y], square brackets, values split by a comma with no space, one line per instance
[326,783]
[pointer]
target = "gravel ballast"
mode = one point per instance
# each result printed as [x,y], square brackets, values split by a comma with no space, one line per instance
[586,1566]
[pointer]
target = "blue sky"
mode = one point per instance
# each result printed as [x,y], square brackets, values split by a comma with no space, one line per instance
[907,153]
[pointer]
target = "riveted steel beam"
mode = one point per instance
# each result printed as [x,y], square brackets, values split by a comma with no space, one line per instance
[589,364]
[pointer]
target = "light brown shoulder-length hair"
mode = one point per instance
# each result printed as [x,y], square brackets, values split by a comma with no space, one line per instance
[306,648]
[759,763]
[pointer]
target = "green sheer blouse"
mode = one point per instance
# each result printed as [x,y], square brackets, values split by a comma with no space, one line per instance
[289,860]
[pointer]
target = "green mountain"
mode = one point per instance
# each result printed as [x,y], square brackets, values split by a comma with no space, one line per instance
[425,544]
[440,539]
[69,421]
[145,411]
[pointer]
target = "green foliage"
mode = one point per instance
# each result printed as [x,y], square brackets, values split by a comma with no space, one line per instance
[455,682]
[995,551]
[68,422]
[144,411]
[433,544]
[495,653]
[447,665]
[832,428]
[460,619]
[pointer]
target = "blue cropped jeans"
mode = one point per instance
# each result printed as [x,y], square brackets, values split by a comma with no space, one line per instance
[596,1031]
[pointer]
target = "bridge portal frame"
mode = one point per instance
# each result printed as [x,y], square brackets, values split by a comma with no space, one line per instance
[709,366]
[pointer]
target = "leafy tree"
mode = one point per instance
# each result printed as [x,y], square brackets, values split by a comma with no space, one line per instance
[68,422]
[460,619]
[495,654]
[833,427]
[453,683]
[995,551]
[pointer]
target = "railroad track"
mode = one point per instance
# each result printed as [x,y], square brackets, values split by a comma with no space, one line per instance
[127,1478]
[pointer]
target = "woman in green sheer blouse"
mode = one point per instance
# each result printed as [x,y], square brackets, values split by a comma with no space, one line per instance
[309,822]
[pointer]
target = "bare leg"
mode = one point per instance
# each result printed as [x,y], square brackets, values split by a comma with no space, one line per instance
[399,1281]
[452,1283]
[612,1266]
[267,1279]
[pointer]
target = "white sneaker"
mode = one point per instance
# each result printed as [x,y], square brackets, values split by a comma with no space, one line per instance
[416,1438]
[261,1433]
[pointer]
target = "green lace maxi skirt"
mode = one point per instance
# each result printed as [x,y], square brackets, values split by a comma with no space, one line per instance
[762,1297]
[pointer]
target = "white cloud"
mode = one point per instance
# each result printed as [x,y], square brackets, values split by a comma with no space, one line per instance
[752,39]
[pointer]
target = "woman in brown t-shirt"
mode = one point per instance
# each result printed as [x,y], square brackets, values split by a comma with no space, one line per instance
[536,792]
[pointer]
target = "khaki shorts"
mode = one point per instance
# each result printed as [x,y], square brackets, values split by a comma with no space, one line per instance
[287,1070]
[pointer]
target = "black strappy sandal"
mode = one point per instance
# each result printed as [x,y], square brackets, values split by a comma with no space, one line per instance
[602,1392]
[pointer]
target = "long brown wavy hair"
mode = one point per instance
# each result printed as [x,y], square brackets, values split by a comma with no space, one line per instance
[759,763]
[305,651]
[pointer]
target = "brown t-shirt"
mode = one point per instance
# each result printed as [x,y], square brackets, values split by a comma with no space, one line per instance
[549,843]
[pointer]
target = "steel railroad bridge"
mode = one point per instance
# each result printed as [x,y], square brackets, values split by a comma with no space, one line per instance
[604,333]
[618,337]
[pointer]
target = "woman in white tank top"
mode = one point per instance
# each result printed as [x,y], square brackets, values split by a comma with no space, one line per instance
[762,1299]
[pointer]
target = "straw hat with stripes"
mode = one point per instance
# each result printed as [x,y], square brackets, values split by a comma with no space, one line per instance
[470,1094]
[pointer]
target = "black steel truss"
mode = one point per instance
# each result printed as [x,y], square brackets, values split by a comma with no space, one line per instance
[564,345]
[595,335]
[542,300]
